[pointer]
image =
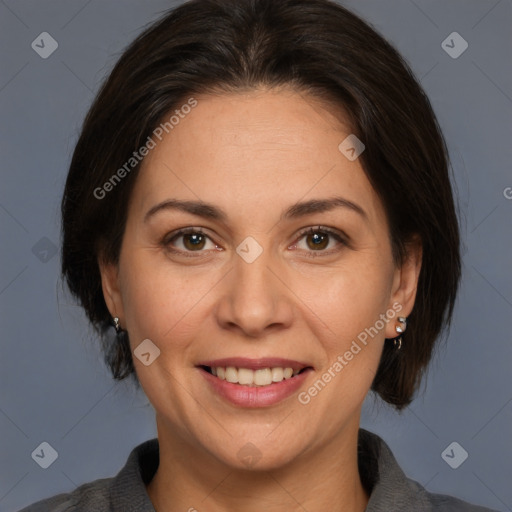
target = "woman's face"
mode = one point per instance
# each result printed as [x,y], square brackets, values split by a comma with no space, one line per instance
[253,289]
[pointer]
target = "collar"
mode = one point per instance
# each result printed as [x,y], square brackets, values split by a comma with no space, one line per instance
[382,477]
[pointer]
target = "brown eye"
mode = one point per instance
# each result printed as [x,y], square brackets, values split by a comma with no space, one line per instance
[317,240]
[194,241]
[188,240]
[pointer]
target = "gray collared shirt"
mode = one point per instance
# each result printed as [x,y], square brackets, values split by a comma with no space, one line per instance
[389,489]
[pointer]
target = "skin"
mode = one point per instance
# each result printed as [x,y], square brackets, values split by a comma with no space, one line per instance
[253,154]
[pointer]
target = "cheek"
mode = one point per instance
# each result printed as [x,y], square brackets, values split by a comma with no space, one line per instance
[159,300]
[344,312]
[347,300]
[345,315]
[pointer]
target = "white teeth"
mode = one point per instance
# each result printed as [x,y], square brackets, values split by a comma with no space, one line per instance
[262,377]
[288,372]
[277,374]
[245,376]
[231,374]
[248,377]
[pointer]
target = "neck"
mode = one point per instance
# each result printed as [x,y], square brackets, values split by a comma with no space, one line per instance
[189,478]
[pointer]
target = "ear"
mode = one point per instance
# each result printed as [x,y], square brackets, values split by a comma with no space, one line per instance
[111,289]
[405,282]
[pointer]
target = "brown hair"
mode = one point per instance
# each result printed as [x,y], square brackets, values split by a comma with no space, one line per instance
[316,46]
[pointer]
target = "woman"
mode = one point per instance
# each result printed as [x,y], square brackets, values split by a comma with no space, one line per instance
[255,206]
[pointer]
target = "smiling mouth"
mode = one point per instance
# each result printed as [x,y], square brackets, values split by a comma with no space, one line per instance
[253,378]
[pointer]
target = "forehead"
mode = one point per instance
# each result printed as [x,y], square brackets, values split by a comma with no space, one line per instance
[254,151]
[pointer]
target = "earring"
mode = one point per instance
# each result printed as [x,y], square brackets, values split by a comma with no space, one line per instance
[397,342]
[116,325]
[399,329]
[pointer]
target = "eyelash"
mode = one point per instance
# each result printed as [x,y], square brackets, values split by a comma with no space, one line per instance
[308,231]
[340,238]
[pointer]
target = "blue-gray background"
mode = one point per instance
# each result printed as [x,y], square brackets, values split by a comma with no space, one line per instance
[53,384]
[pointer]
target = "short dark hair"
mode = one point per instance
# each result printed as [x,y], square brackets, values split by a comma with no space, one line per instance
[315,46]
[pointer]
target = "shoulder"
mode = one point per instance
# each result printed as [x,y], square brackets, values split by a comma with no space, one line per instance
[390,489]
[126,492]
[441,502]
[90,496]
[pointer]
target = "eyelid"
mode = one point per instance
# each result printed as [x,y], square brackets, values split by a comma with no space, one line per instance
[341,237]
[183,231]
[166,241]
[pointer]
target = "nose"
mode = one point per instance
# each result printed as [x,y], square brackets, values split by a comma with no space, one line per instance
[254,300]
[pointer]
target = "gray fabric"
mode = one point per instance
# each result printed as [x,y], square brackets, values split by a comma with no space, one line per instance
[391,490]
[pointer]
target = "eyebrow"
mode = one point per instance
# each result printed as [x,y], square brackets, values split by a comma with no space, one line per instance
[298,210]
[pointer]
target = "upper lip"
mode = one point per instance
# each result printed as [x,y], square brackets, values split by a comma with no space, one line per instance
[255,364]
